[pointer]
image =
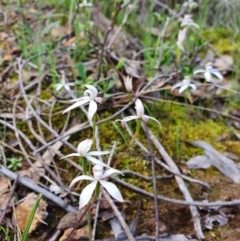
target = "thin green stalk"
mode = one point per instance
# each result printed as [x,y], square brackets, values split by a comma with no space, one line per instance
[5,233]
[30,220]
[83,161]
[139,121]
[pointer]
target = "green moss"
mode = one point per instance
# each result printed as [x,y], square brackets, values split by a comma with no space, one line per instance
[222,40]
[187,125]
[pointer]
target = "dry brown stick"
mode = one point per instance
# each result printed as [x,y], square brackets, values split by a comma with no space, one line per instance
[19,72]
[83,128]
[119,216]
[17,133]
[176,201]
[154,181]
[27,182]
[43,162]
[181,185]
[9,200]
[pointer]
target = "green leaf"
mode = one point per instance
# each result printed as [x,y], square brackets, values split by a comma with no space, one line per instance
[82,71]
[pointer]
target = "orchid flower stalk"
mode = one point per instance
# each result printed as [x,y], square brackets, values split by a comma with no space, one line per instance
[140,116]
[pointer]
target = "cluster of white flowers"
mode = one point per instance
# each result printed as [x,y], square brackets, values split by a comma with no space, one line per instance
[208,73]
[91,97]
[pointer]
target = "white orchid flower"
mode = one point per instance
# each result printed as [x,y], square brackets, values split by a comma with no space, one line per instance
[98,176]
[63,84]
[186,83]
[181,38]
[128,83]
[188,22]
[208,72]
[140,114]
[90,95]
[191,4]
[83,149]
[85,3]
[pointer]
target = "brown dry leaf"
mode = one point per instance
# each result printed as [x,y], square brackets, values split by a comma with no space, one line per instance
[82,233]
[11,54]
[4,192]
[23,211]
[3,36]
[224,63]
[3,184]
[60,31]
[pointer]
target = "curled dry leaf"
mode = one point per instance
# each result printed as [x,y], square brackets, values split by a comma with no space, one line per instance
[224,64]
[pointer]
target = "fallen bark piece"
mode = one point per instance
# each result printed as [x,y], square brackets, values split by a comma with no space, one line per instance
[23,212]
[225,165]
[79,234]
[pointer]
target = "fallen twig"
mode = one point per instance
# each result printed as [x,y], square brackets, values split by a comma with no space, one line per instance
[30,184]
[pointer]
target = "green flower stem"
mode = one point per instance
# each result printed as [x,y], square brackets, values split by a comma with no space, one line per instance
[139,121]
[94,127]
[84,165]
[97,190]
[89,219]
[178,55]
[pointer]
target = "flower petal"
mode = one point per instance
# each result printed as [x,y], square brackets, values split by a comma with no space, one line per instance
[184,87]
[58,86]
[80,99]
[109,172]
[128,118]
[79,178]
[96,161]
[149,117]
[112,190]
[193,86]
[98,153]
[177,85]
[98,100]
[92,109]
[69,155]
[208,76]
[84,147]
[216,73]
[75,105]
[86,194]
[67,88]
[139,108]
[198,71]
[194,25]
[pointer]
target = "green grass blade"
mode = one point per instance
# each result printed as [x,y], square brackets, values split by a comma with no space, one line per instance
[5,233]
[26,230]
